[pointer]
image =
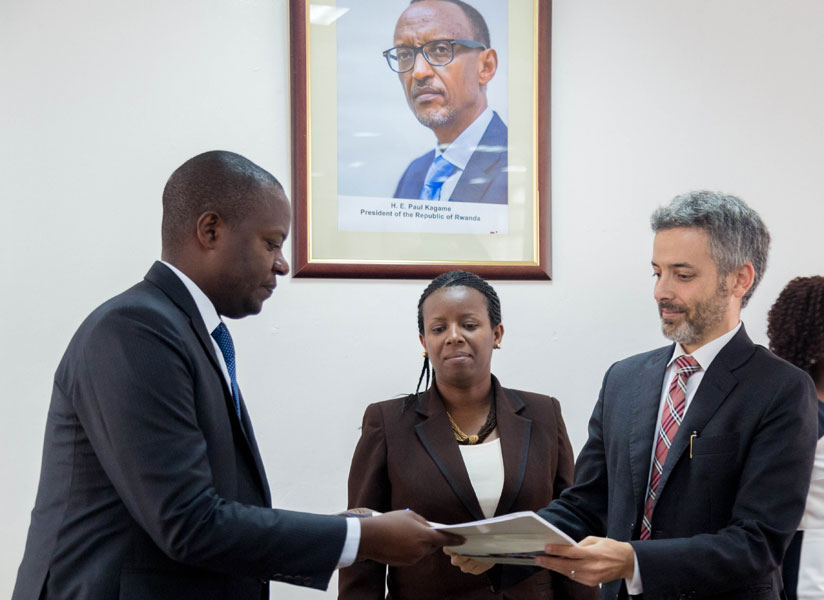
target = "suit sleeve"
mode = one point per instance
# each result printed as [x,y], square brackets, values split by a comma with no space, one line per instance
[369,487]
[563,586]
[768,504]
[575,514]
[134,393]
[581,510]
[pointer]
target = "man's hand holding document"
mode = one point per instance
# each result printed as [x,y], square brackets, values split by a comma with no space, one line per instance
[514,539]
[524,538]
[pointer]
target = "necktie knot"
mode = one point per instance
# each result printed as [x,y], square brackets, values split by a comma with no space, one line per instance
[439,171]
[686,365]
[224,341]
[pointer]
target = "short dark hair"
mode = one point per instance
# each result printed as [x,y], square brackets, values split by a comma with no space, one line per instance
[218,181]
[795,325]
[737,234]
[480,31]
[453,279]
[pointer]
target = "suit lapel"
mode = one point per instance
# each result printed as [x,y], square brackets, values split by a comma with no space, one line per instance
[435,434]
[171,284]
[490,154]
[173,287]
[716,385]
[411,185]
[514,431]
[645,402]
[161,276]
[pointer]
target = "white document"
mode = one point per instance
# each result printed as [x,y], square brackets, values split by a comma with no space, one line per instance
[514,539]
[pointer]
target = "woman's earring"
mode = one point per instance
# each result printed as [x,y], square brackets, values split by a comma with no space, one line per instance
[497,345]
[425,354]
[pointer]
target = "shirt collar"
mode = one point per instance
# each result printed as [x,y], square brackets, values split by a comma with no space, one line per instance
[460,151]
[706,353]
[204,306]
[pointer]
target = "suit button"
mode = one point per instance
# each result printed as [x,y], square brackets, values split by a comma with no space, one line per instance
[288,578]
[307,581]
[277,577]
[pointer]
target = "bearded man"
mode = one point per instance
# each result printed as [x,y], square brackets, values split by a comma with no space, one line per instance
[694,476]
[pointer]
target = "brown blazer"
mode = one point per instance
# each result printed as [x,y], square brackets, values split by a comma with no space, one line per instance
[408,458]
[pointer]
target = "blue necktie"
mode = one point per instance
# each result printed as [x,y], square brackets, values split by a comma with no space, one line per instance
[227,349]
[439,171]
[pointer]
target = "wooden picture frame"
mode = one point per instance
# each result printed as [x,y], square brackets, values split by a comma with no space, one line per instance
[333,52]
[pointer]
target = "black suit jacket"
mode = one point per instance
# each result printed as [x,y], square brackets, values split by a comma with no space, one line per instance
[151,487]
[725,514]
[410,459]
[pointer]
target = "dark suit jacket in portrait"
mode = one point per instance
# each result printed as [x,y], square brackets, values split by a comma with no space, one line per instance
[728,503]
[151,487]
[484,179]
[410,459]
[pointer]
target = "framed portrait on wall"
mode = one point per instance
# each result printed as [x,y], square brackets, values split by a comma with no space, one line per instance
[420,137]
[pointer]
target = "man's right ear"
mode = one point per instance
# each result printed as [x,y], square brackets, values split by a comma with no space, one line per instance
[487,66]
[208,225]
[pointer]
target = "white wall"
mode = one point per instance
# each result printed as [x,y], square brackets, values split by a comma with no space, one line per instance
[100,100]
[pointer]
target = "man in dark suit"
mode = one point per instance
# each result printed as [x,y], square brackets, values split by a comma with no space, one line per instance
[444,62]
[699,454]
[152,485]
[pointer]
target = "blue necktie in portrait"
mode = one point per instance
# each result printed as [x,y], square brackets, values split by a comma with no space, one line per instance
[227,349]
[439,171]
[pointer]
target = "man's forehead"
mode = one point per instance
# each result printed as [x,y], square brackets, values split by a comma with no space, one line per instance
[688,244]
[431,20]
[277,198]
[271,201]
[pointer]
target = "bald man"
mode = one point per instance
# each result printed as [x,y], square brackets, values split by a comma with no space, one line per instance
[444,61]
[152,485]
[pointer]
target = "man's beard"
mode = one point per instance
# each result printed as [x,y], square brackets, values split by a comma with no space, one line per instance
[698,319]
[436,119]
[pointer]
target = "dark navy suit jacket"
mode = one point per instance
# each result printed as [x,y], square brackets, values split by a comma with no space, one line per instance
[151,487]
[729,499]
[484,179]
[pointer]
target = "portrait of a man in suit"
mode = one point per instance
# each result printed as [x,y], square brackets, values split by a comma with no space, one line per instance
[444,61]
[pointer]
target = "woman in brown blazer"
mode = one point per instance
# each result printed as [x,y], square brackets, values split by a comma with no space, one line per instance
[465,449]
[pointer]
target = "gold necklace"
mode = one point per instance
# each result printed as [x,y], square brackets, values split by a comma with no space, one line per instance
[460,435]
[487,428]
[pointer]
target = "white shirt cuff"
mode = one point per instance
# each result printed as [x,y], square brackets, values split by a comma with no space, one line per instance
[352,543]
[634,585]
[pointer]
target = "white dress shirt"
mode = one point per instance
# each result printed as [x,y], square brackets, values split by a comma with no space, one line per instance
[461,149]
[211,319]
[704,357]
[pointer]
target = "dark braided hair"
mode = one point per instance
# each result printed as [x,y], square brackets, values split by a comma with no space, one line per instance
[795,325]
[453,279]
